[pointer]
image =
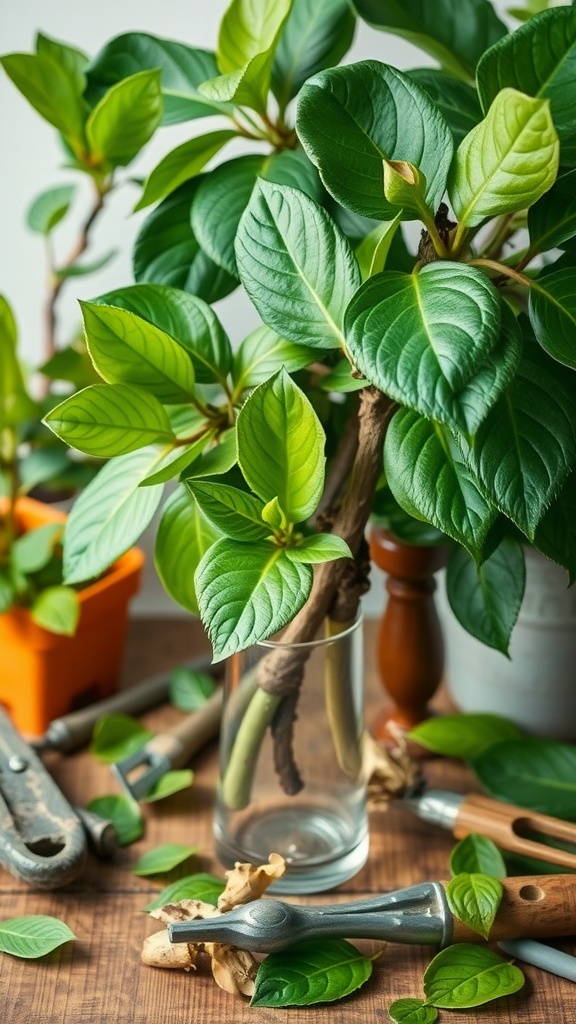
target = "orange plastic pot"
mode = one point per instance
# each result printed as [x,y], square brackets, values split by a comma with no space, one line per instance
[44,675]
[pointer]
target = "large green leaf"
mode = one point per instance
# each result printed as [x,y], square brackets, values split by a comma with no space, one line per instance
[229,188]
[464,975]
[51,90]
[74,62]
[525,448]
[417,451]
[349,119]
[310,972]
[109,515]
[535,773]
[455,32]
[552,220]
[181,164]
[464,735]
[486,599]
[107,420]
[457,100]
[296,265]
[555,536]
[421,337]
[167,251]
[184,317]
[262,353]
[182,68]
[33,936]
[125,119]
[507,162]
[539,58]
[183,538]
[552,313]
[126,349]
[232,512]
[247,592]
[281,447]
[316,35]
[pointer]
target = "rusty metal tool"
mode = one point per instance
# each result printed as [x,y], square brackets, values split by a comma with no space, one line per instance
[535,906]
[515,829]
[170,749]
[74,730]
[42,840]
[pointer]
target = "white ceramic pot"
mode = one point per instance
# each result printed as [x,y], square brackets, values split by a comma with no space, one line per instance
[537,687]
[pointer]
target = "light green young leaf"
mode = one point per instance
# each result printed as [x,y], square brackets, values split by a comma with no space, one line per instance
[535,773]
[33,549]
[247,30]
[125,119]
[163,858]
[464,735]
[189,689]
[231,512]
[184,317]
[418,450]
[167,252]
[33,936]
[247,592]
[412,1011]
[475,899]
[126,349]
[216,461]
[455,32]
[538,59]
[56,609]
[476,853]
[262,353]
[182,539]
[109,515]
[116,736]
[201,886]
[296,265]
[466,975]
[507,162]
[49,208]
[183,163]
[281,447]
[373,250]
[273,515]
[405,186]
[123,812]
[176,460]
[247,87]
[168,784]
[320,547]
[107,420]
[7,593]
[486,599]
[422,337]
[49,88]
[352,118]
[8,329]
[309,972]
[73,61]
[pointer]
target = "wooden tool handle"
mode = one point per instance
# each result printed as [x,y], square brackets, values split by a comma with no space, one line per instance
[537,906]
[514,828]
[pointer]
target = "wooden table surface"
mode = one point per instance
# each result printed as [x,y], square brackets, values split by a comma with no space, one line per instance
[99,979]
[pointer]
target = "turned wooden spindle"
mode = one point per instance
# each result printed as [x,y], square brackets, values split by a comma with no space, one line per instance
[410,651]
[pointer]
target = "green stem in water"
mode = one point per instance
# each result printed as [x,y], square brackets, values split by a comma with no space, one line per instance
[237,780]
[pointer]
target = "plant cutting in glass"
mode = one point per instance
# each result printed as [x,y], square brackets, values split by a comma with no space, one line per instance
[454,362]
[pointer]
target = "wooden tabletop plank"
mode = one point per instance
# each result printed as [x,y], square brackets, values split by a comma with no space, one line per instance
[99,979]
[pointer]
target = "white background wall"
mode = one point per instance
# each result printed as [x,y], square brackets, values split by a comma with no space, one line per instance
[31,161]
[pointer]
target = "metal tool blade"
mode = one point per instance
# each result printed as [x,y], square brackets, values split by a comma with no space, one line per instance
[418,914]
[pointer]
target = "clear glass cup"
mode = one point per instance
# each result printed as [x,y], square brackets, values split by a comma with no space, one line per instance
[291,778]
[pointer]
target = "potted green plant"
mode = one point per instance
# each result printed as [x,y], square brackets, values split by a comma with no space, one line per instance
[441,372]
[50,633]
